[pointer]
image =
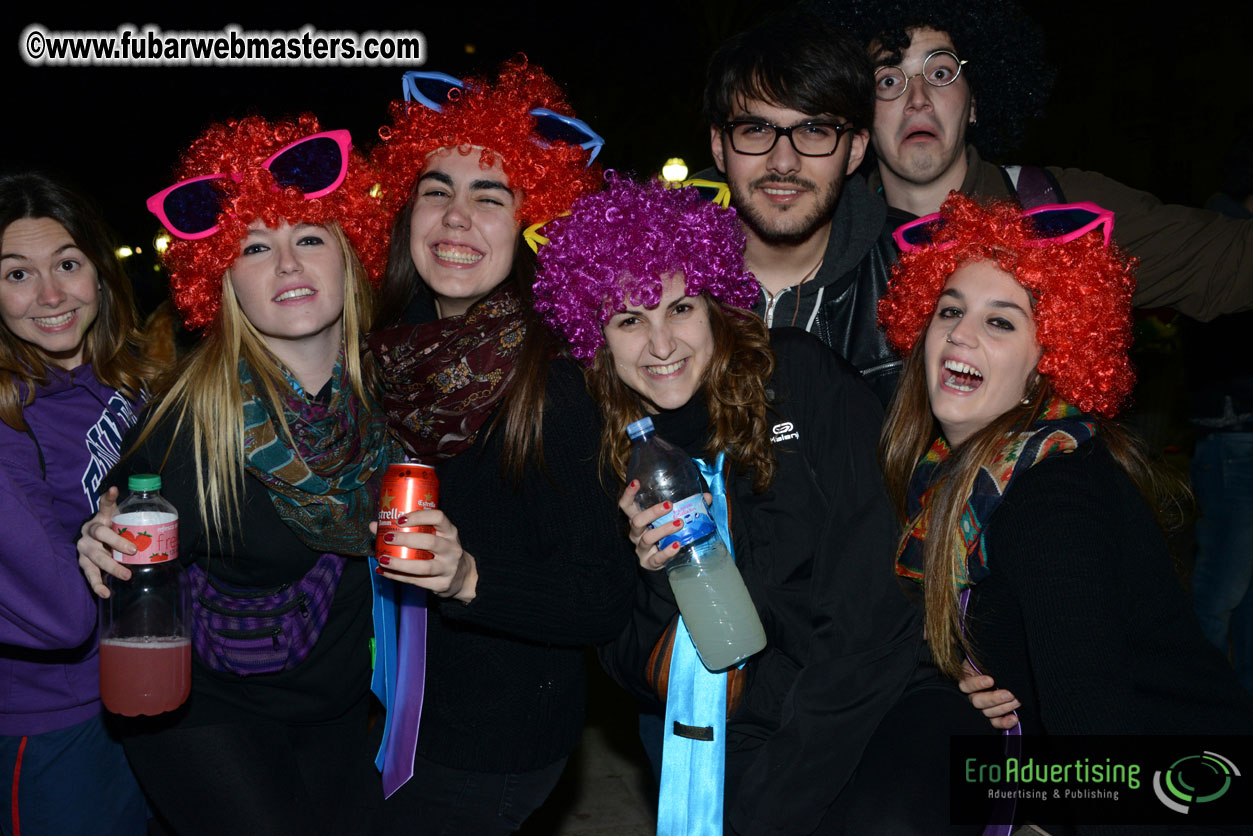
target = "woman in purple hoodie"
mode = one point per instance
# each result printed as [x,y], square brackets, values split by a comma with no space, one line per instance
[71,375]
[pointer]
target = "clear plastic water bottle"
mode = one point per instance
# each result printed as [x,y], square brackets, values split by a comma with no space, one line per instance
[711,595]
[145,635]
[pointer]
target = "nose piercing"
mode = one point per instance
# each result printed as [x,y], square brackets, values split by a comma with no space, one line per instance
[949,338]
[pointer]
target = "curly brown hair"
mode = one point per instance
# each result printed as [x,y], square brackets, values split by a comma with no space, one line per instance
[735,388]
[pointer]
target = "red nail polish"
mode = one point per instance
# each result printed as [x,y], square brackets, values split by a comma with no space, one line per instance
[384,559]
[678,523]
[389,538]
[402,522]
[379,570]
[666,505]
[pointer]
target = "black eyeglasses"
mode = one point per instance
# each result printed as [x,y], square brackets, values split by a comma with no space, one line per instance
[809,139]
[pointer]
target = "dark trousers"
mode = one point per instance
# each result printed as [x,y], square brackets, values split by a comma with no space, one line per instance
[262,779]
[73,780]
[442,801]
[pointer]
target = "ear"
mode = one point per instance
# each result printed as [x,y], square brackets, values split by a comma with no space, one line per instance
[973,117]
[857,149]
[715,147]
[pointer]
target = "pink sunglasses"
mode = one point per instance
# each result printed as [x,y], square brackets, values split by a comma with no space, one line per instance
[1054,223]
[316,164]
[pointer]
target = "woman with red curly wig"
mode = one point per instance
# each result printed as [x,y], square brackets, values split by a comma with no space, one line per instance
[527,567]
[1027,526]
[270,442]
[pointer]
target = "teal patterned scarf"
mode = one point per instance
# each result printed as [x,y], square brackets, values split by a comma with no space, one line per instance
[325,489]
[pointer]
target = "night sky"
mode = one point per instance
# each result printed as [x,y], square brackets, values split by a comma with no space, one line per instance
[1152,101]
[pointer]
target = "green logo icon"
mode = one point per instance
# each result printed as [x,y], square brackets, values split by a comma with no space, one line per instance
[1194,779]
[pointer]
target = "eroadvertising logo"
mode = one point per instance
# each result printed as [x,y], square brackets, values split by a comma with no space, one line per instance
[1082,780]
[1194,779]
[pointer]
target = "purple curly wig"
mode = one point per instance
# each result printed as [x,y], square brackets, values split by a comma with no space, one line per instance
[617,244]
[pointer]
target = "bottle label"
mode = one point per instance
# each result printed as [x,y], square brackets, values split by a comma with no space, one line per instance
[696,522]
[154,533]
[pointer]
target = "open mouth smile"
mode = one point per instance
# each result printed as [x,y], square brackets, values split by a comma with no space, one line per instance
[53,323]
[294,293]
[962,377]
[456,254]
[666,370]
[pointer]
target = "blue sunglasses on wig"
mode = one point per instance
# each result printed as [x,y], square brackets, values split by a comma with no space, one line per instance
[434,90]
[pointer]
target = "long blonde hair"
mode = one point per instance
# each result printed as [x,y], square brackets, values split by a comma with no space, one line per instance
[207,392]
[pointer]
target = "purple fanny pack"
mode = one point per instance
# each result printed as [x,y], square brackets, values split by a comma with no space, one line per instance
[248,631]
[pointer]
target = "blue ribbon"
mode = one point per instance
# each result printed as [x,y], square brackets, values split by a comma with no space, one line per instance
[692,770]
[399,679]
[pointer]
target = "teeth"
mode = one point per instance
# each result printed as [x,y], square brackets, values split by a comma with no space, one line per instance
[294,293]
[54,321]
[962,368]
[458,255]
[781,191]
[953,384]
[664,370]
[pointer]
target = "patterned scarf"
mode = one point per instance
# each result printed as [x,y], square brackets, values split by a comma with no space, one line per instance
[441,380]
[1060,429]
[326,489]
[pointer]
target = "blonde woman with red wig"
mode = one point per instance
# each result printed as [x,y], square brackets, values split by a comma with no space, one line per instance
[270,442]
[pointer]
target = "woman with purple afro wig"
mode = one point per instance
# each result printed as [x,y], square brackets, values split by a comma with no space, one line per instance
[618,244]
[647,285]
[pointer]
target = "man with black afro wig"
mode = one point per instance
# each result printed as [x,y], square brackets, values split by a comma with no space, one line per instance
[956,81]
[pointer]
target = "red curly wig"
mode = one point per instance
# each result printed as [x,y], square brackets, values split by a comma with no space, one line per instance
[495,117]
[240,146]
[1080,291]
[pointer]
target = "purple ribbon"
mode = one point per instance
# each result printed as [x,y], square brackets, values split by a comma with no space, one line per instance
[401,745]
[1003,810]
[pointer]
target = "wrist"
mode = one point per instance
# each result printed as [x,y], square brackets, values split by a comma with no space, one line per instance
[469,580]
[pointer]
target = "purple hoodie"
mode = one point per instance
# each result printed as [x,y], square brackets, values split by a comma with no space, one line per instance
[49,478]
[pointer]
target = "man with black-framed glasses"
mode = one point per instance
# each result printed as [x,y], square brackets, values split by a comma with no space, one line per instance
[790,104]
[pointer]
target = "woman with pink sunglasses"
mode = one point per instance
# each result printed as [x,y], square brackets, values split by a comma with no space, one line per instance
[71,383]
[527,568]
[1030,514]
[270,443]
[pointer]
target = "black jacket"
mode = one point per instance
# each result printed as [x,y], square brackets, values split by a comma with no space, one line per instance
[840,304]
[816,551]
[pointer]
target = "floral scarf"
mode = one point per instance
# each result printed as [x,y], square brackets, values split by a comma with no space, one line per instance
[325,489]
[1060,429]
[442,379]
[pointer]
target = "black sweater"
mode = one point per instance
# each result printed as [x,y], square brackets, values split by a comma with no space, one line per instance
[815,550]
[263,552]
[1083,618]
[504,675]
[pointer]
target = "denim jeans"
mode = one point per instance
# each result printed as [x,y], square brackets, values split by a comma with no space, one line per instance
[1222,583]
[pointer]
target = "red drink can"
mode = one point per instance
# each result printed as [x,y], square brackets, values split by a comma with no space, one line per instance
[408,486]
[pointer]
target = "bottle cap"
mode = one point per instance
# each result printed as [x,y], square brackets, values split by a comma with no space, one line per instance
[144,482]
[641,429]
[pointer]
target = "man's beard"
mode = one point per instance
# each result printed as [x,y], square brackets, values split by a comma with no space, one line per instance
[789,232]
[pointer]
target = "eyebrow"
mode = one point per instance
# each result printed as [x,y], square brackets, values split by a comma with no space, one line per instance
[474,184]
[636,311]
[67,246]
[752,117]
[995,303]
